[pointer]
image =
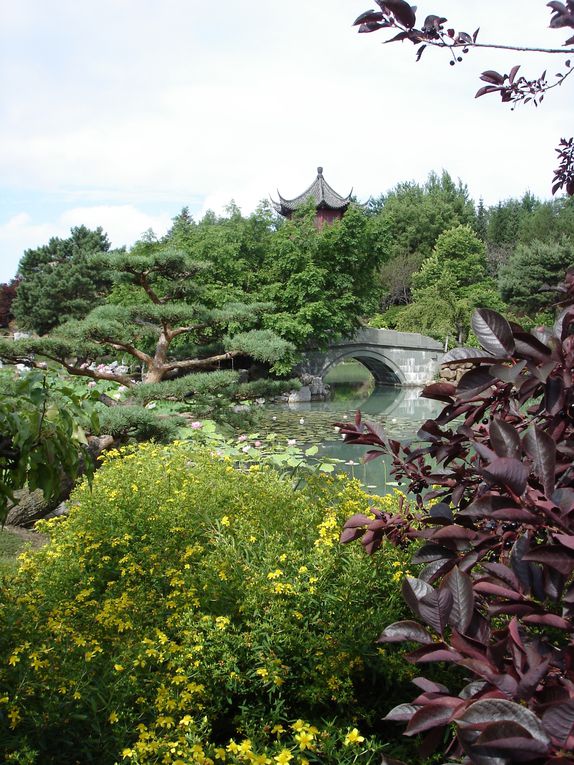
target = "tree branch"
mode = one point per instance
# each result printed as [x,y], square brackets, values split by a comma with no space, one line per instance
[94,374]
[128,348]
[202,363]
[144,283]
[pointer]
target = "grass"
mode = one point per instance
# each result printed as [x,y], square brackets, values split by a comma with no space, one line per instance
[12,543]
[348,372]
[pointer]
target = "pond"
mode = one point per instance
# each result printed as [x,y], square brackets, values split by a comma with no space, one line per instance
[400,410]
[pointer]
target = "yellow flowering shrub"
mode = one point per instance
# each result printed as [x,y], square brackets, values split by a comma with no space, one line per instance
[190,612]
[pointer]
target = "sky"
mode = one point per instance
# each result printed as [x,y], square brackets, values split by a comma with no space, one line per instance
[119,113]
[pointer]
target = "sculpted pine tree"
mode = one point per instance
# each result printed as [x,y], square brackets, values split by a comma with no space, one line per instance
[169,331]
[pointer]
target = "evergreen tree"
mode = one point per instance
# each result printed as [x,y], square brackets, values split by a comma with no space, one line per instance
[531,268]
[62,280]
[151,331]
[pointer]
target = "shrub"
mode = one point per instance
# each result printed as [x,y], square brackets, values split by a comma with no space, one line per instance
[496,596]
[188,610]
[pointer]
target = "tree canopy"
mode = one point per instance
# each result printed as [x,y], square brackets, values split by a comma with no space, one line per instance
[62,280]
[147,332]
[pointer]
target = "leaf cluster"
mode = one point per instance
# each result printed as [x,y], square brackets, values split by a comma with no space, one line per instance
[400,15]
[41,435]
[493,480]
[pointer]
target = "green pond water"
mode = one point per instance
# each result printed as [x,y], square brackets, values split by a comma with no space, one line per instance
[400,410]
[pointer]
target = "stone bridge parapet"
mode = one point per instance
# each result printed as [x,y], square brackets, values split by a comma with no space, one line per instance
[393,358]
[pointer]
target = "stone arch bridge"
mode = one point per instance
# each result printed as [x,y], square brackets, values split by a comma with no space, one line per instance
[393,358]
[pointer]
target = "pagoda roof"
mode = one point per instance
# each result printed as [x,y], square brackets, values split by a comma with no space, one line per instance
[320,192]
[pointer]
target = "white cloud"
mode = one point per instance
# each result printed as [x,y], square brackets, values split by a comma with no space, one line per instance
[187,102]
[124,224]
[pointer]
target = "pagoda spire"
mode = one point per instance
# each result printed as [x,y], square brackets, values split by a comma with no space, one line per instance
[329,205]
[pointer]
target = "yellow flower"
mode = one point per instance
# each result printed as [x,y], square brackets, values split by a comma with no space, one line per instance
[113,718]
[245,748]
[278,729]
[14,659]
[127,753]
[353,737]
[283,757]
[14,717]
[304,739]
[259,759]
[220,754]
[225,521]
[118,668]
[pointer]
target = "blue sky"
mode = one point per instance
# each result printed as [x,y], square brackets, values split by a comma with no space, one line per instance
[121,112]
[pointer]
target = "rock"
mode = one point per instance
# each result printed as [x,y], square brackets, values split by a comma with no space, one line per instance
[301,396]
[320,391]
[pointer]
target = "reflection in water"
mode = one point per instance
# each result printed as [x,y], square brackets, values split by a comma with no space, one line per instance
[401,411]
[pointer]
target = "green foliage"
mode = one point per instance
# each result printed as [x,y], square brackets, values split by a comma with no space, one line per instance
[210,394]
[42,425]
[320,280]
[531,267]
[451,282]
[413,217]
[187,607]
[61,280]
[387,319]
[140,424]
[195,386]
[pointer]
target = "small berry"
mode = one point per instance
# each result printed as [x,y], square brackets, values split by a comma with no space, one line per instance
[451,63]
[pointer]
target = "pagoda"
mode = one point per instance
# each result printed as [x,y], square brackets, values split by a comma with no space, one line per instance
[329,205]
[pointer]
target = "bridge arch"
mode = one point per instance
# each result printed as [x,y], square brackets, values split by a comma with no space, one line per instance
[383,369]
[393,358]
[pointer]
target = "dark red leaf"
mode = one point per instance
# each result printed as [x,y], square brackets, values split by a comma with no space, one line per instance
[508,472]
[490,588]
[555,556]
[440,392]
[429,686]
[413,591]
[435,608]
[493,77]
[407,630]
[549,620]
[493,332]
[398,37]
[484,506]
[485,90]
[475,381]
[504,439]
[429,717]
[432,552]
[463,355]
[460,585]
[558,721]
[513,73]
[487,712]
[368,16]
[402,11]
[530,347]
[565,539]
[541,447]
[507,373]
[401,713]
